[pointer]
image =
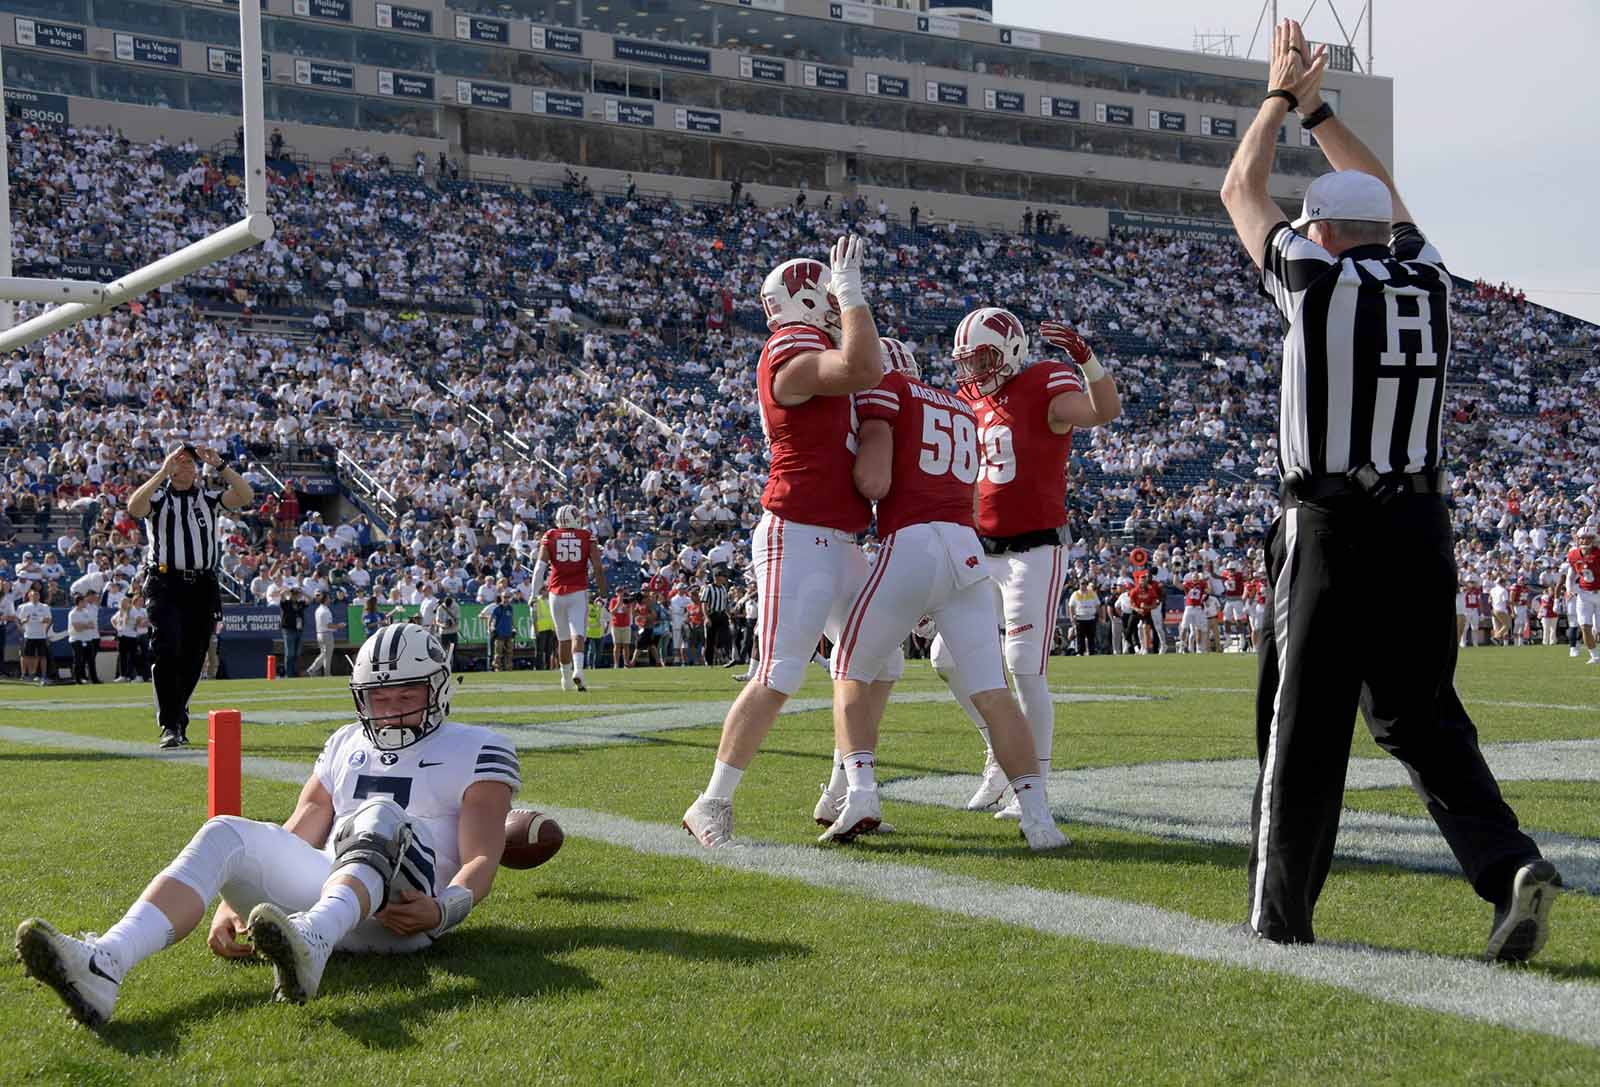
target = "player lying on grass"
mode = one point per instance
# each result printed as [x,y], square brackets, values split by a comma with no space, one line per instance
[396,836]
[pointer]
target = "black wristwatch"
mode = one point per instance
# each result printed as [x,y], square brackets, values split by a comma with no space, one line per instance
[1316,117]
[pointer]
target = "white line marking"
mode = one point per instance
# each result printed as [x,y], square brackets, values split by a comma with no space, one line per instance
[1521,999]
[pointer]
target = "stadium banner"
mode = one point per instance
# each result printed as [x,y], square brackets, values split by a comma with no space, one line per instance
[630,113]
[143,50]
[316,73]
[771,71]
[395,17]
[51,111]
[947,94]
[1005,101]
[255,621]
[224,61]
[1126,224]
[552,40]
[697,120]
[831,79]
[985,6]
[1113,115]
[41,35]
[101,271]
[673,56]
[942,25]
[890,86]
[493,95]
[316,484]
[1219,126]
[1062,108]
[851,13]
[1021,39]
[405,85]
[338,10]
[471,629]
[475,29]
[1164,120]
[558,103]
[763,5]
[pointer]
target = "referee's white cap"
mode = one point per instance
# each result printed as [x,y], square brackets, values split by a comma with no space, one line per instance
[1347,195]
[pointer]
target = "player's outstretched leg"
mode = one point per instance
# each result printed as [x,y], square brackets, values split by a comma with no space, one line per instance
[85,978]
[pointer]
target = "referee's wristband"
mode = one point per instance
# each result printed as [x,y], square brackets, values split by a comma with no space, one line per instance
[1316,117]
[1287,96]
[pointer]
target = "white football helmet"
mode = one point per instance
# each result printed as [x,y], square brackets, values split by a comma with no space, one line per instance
[401,655]
[991,348]
[797,292]
[899,358]
[569,517]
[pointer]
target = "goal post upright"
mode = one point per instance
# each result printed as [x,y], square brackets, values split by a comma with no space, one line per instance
[84,298]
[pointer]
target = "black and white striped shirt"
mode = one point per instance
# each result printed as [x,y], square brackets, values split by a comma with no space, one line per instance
[182,527]
[714,599]
[1365,355]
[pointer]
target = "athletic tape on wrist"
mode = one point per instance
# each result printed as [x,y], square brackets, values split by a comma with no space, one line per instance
[455,902]
[1092,370]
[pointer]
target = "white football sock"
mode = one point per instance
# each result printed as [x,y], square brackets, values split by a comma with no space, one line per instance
[577,666]
[724,780]
[566,670]
[1029,792]
[143,931]
[860,770]
[1033,696]
[335,914]
[837,780]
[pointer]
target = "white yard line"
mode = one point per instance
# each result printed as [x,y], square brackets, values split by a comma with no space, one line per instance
[1519,999]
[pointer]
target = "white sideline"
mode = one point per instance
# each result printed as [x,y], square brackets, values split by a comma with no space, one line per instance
[1519,999]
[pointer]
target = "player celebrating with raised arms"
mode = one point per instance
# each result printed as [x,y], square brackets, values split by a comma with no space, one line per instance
[1026,415]
[396,836]
[569,554]
[807,564]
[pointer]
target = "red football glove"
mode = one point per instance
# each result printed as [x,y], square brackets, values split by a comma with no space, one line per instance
[1062,336]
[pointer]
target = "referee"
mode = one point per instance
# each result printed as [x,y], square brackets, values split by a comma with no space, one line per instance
[184,602]
[714,601]
[1367,303]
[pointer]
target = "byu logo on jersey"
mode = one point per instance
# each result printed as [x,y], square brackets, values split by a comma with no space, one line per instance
[388,758]
[358,759]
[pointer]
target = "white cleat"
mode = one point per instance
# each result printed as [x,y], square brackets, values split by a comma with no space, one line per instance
[1012,811]
[566,683]
[297,955]
[85,978]
[1044,835]
[862,814]
[710,821]
[991,789]
[744,677]
[1572,652]
[826,813]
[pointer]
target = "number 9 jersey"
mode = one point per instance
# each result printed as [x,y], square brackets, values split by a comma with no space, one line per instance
[1022,485]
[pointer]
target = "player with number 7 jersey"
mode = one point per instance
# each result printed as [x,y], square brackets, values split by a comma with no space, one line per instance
[1026,415]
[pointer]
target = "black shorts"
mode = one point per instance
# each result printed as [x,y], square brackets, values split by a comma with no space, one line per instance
[35,647]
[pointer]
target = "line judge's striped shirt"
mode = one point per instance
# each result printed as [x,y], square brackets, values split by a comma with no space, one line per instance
[714,599]
[182,527]
[1365,355]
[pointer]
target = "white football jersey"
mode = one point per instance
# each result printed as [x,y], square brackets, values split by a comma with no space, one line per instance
[427,779]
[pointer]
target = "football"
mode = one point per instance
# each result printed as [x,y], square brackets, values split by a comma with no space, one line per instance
[531,839]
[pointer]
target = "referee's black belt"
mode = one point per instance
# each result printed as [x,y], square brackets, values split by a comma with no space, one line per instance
[1364,482]
[163,570]
[1026,541]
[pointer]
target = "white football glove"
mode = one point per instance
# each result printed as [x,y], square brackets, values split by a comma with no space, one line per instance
[844,276]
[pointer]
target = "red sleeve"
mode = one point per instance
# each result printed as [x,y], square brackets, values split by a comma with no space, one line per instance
[792,342]
[1061,378]
[880,402]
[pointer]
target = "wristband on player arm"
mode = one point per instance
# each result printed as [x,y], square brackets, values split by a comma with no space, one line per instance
[455,902]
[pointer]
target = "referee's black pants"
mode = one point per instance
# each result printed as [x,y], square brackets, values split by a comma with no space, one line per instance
[719,636]
[182,615]
[1320,660]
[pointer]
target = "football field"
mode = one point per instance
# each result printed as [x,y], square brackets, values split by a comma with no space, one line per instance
[943,953]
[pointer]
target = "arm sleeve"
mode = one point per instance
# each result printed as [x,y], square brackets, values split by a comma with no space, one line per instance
[880,402]
[497,761]
[1290,264]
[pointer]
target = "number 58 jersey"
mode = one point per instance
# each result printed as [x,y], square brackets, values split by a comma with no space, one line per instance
[936,458]
[1022,486]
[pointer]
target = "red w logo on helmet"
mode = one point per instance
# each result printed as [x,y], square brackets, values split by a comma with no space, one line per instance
[797,277]
[1003,323]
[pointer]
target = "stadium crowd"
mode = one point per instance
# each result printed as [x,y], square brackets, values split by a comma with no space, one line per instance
[464,357]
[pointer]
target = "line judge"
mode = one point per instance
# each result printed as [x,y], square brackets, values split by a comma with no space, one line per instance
[184,602]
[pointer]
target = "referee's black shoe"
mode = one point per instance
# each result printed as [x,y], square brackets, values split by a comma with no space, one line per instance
[170,738]
[1522,922]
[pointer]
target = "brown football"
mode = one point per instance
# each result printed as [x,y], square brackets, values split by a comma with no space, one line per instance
[531,839]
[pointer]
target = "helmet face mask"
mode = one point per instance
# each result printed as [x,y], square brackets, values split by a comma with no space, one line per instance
[401,685]
[983,367]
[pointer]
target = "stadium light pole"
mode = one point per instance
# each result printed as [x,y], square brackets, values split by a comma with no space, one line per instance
[83,298]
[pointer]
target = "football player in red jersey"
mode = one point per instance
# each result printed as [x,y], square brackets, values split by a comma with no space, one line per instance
[1583,583]
[569,554]
[1234,609]
[807,564]
[919,460]
[1192,628]
[1026,415]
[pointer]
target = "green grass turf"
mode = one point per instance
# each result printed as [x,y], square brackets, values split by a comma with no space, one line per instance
[612,966]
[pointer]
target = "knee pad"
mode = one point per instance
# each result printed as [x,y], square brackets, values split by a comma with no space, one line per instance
[376,835]
[207,862]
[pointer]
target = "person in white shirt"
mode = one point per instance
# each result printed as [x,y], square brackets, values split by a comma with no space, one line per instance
[122,621]
[35,619]
[1500,606]
[1122,610]
[83,633]
[327,632]
[678,616]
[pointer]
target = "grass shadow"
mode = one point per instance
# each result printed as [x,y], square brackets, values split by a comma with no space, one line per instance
[586,898]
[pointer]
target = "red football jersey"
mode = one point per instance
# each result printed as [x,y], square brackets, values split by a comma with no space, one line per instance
[811,445]
[1146,595]
[1232,584]
[1586,565]
[1194,593]
[1548,608]
[568,552]
[1023,485]
[1472,599]
[936,457]
[1519,595]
